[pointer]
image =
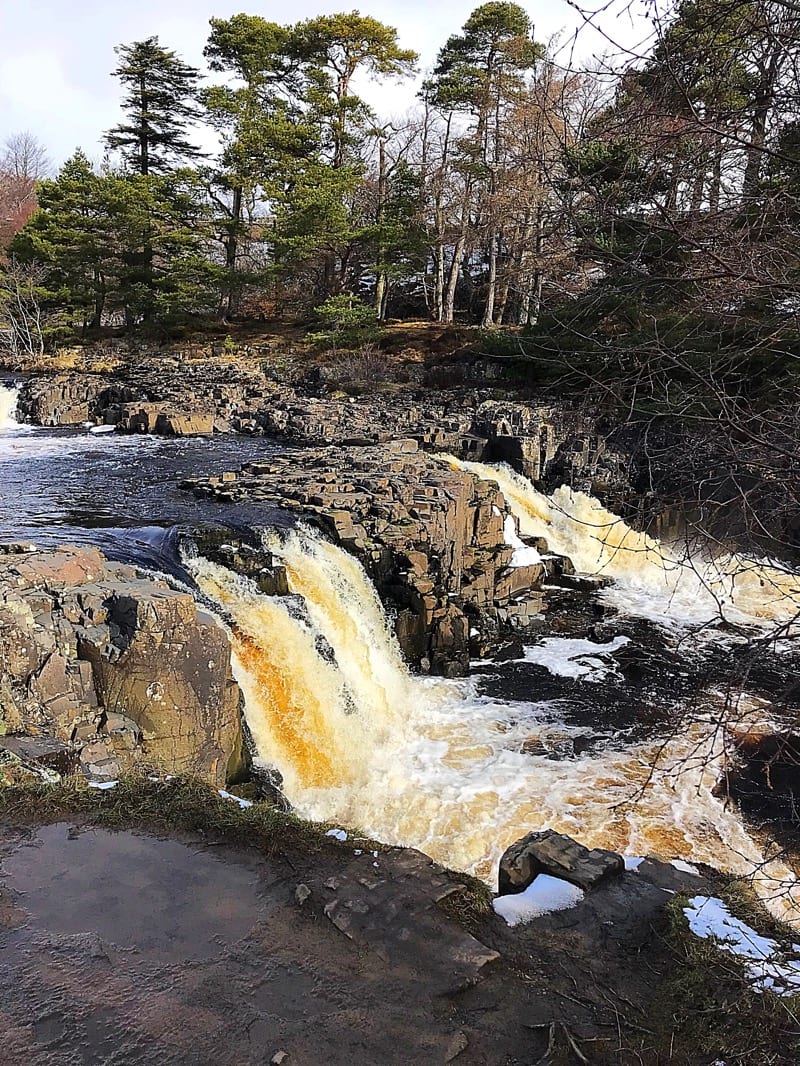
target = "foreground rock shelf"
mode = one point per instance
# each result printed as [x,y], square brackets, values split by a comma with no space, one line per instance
[312,950]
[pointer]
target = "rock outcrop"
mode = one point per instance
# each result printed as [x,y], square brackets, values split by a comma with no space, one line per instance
[118,668]
[433,538]
[559,856]
[173,397]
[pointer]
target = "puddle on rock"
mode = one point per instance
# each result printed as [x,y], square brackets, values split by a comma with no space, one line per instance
[157,897]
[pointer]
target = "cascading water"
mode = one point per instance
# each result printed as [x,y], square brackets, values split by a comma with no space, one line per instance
[430,764]
[8,407]
[650,579]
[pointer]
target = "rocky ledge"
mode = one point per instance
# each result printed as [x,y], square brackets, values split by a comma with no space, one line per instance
[106,669]
[439,543]
[548,444]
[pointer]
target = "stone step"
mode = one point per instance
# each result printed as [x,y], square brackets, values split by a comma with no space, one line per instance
[388,905]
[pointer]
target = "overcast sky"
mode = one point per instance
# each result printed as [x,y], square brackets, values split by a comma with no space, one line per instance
[58,54]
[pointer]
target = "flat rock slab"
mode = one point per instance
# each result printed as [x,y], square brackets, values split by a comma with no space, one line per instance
[41,751]
[388,905]
[558,855]
[125,948]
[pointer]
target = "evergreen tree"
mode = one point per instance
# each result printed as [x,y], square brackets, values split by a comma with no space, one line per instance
[261,127]
[479,71]
[160,101]
[72,235]
[334,48]
[321,213]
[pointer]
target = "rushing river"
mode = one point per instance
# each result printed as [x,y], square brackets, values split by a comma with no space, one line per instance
[560,735]
[114,491]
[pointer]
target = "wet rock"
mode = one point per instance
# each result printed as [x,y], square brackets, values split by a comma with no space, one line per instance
[390,909]
[431,537]
[558,855]
[116,666]
[63,400]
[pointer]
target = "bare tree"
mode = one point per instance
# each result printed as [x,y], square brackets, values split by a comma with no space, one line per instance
[23,162]
[21,315]
[24,156]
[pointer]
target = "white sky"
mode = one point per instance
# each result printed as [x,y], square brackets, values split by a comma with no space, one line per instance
[58,54]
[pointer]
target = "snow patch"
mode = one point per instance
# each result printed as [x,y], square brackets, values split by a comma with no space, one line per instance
[767,968]
[104,785]
[236,799]
[543,896]
[685,867]
[523,554]
[338,834]
[633,862]
[574,657]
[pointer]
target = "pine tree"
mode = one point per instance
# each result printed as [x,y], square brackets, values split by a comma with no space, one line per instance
[334,49]
[259,121]
[160,101]
[72,236]
[479,71]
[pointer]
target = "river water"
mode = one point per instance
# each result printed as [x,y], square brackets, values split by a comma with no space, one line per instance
[114,491]
[572,734]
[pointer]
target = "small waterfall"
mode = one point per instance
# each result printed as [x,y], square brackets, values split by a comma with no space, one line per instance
[650,578]
[429,764]
[8,407]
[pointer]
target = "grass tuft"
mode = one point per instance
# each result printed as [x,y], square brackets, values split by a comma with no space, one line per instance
[710,1011]
[162,805]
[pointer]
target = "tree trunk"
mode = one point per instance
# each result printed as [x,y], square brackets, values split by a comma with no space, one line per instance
[380,279]
[452,280]
[144,145]
[99,301]
[764,99]
[232,253]
[488,312]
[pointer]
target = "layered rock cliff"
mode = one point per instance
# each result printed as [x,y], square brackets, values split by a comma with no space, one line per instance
[114,668]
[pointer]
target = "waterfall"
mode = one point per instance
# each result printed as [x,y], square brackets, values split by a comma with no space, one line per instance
[8,406]
[650,579]
[429,763]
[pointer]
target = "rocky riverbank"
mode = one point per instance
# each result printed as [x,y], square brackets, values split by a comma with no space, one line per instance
[170,396]
[439,544]
[290,947]
[109,670]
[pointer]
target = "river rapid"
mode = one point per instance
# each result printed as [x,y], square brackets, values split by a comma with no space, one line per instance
[575,734]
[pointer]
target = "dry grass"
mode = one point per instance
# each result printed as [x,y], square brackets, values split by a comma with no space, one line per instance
[710,1011]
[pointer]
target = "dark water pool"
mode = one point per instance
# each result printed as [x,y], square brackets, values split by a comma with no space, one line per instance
[118,492]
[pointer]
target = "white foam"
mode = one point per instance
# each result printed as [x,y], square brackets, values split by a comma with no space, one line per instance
[430,763]
[574,657]
[8,407]
[651,579]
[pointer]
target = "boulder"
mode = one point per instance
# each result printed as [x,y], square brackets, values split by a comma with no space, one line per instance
[558,855]
[118,667]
